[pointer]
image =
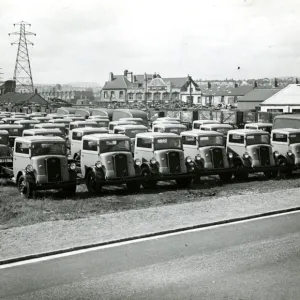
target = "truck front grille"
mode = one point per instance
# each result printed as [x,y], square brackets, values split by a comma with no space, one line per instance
[53,169]
[264,156]
[121,165]
[174,162]
[217,157]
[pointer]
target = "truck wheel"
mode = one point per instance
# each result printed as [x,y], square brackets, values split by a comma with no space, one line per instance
[70,190]
[133,187]
[184,182]
[284,170]
[226,177]
[91,183]
[148,183]
[271,174]
[25,188]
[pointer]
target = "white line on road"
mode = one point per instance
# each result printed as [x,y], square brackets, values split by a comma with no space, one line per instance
[138,240]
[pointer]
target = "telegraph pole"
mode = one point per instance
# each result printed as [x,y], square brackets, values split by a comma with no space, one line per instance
[22,72]
[1,73]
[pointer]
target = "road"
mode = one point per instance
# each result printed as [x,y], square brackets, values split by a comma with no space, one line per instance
[257,259]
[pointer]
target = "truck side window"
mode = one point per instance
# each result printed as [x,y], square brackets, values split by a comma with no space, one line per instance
[237,139]
[89,145]
[77,136]
[189,140]
[22,148]
[144,143]
[279,137]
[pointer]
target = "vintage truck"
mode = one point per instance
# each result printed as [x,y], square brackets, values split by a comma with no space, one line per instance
[5,152]
[41,163]
[259,126]
[207,151]
[251,152]
[60,126]
[162,158]
[169,128]
[27,124]
[14,130]
[286,148]
[43,132]
[106,159]
[198,123]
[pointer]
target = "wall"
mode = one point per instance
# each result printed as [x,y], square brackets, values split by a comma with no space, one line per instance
[249,105]
[116,95]
[286,109]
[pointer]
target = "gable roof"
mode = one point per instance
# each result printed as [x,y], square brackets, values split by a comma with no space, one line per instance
[290,95]
[226,90]
[259,95]
[118,82]
[22,98]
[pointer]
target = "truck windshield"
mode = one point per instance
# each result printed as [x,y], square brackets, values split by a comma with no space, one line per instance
[167,143]
[257,139]
[295,138]
[205,141]
[39,149]
[114,145]
[3,140]
[14,131]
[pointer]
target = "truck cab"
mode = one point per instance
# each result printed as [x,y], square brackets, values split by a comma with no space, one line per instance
[5,151]
[76,139]
[169,128]
[62,121]
[207,151]
[259,126]
[14,130]
[112,124]
[251,152]
[162,159]
[27,124]
[198,123]
[42,119]
[60,126]
[43,132]
[286,148]
[131,131]
[11,120]
[41,163]
[106,159]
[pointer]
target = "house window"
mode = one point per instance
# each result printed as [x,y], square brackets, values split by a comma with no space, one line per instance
[112,95]
[166,96]
[121,94]
[190,99]
[208,100]
[274,110]
[235,99]
[22,148]
[130,96]
[199,100]
[157,96]
[105,94]
[139,96]
[175,96]
[222,99]
[148,96]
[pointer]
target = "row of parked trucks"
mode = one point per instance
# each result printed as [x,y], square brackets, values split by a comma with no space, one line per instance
[97,151]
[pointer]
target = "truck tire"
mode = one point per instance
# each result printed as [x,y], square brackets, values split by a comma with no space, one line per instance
[148,183]
[25,188]
[184,182]
[91,183]
[134,187]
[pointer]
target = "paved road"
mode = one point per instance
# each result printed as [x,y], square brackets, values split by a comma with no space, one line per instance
[259,259]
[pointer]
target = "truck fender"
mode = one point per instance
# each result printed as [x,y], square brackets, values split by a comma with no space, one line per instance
[99,174]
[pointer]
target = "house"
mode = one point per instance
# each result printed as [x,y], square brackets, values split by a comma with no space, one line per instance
[149,88]
[71,97]
[225,95]
[255,97]
[286,100]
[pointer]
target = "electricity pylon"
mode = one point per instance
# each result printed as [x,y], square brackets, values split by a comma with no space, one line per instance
[22,72]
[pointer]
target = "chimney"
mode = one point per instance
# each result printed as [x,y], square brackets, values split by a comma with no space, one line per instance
[154,75]
[236,85]
[297,81]
[35,91]
[208,85]
[275,83]
[125,73]
[255,84]
[111,76]
[145,77]
[134,78]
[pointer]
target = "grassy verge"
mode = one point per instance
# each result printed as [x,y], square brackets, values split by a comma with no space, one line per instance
[51,206]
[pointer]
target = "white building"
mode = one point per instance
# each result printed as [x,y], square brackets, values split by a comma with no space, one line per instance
[286,100]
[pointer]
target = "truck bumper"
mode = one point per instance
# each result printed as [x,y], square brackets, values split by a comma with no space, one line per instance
[259,169]
[162,177]
[54,186]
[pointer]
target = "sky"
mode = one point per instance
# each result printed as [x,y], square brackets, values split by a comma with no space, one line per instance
[82,41]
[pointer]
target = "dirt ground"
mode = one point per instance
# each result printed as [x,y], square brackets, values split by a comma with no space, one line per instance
[50,206]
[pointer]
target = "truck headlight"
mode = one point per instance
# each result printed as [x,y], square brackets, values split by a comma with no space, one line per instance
[246,155]
[198,157]
[138,162]
[188,159]
[29,169]
[289,153]
[98,164]
[230,155]
[153,161]
[276,153]
[72,166]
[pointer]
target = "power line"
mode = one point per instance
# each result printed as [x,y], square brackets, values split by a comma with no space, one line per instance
[22,72]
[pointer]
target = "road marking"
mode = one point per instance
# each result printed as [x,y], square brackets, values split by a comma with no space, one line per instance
[137,240]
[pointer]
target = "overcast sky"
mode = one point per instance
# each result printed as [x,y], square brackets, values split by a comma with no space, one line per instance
[82,41]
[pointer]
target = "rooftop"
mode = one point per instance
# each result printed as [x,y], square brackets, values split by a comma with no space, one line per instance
[259,94]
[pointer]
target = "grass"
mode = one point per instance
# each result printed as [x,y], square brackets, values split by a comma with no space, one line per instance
[51,205]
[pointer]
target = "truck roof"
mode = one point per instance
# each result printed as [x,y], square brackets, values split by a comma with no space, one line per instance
[105,136]
[206,122]
[43,130]
[286,130]
[289,116]
[198,133]
[214,125]
[247,131]
[259,124]
[3,132]
[156,134]
[4,126]
[83,122]
[170,125]
[40,138]
[45,125]
[130,126]
[90,129]
[27,122]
